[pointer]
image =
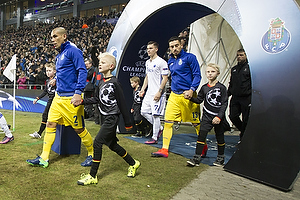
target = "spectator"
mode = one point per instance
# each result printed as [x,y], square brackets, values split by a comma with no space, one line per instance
[32,43]
[22,81]
[31,76]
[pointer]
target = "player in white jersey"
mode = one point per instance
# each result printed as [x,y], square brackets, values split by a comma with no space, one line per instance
[155,99]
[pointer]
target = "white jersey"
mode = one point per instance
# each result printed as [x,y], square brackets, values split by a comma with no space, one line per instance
[155,69]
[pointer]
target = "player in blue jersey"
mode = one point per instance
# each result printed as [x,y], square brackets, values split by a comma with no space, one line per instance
[70,80]
[186,77]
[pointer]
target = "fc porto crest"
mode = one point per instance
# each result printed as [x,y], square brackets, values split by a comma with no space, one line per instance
[277,38]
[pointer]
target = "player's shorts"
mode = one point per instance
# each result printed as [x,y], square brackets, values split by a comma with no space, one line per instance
[180,109]
[152,107]
[63,112]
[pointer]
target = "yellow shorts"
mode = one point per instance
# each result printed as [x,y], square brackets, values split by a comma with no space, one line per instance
[180,109]
[63,112]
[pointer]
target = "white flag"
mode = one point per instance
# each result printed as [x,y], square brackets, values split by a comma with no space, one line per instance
[9,70]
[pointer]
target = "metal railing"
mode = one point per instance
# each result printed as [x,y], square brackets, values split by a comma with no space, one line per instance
[28,86]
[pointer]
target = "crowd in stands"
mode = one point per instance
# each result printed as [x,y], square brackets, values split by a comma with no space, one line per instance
[33,47]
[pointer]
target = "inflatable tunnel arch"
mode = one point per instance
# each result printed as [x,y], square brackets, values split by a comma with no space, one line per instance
[270,34]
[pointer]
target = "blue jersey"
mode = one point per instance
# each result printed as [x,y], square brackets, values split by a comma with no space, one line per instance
[185,72]
[71,72]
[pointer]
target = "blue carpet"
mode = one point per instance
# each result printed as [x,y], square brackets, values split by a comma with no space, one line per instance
[185,145]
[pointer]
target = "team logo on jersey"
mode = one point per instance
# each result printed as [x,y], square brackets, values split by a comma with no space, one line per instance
[143,53]
[105,95]
[214,97]
[180,62]
[137,97]
[277,38]
[62,57]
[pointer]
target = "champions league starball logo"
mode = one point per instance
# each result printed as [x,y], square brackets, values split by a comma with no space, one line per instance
[143,53]
[105,94]
[214,97]
[137,97]
[277,38]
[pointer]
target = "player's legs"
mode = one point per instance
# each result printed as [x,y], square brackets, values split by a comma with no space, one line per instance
[173,113]
[8,135]
[219,130]
[49,139]
[201,140]
[54,117]
[245,109]
[74,116]
[45,117]
[201,143]
[146,111]
[235,112]
[205,148]
[158,108]
[191,113]
[4,126]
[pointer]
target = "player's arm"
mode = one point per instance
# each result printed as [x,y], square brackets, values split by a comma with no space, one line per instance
[145,84]
[200,97]
[195,69]
[161,88]
[224,102]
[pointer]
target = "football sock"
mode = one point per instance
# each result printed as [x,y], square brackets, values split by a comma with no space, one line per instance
[87,140]
[221,148]
[199,147]
[48,141]
[128,159]
[156,127]
[94,167]
[167,134]
[122,152]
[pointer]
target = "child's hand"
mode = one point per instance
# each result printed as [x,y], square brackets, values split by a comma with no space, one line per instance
[141,93]
[188,94]
[131,110]
[52,82]
[216,120]
[34,101]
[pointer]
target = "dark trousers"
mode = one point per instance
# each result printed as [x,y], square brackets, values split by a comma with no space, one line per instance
[238,106]
[107,136]
[46,111]
[205,127]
